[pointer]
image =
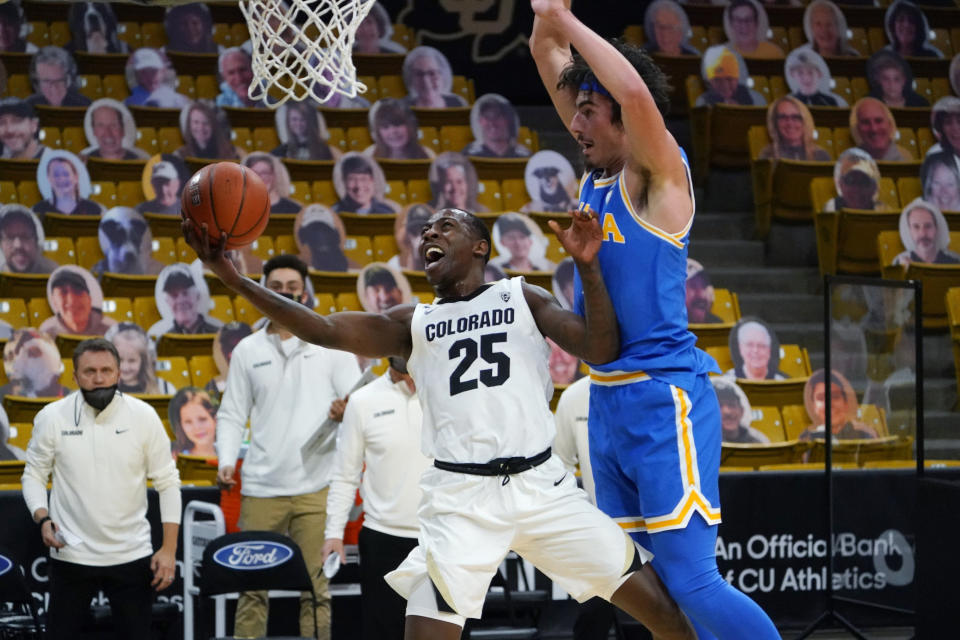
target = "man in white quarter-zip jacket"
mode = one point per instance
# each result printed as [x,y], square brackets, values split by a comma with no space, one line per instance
[284,387]
[101,447]
[381,429]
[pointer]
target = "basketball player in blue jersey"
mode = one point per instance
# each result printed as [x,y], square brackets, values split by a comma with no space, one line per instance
[654,419]
[479,360]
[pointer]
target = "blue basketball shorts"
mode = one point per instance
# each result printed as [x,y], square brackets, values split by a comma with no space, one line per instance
[655,451]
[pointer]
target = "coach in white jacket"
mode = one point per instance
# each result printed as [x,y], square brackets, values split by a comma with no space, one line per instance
[284,387]
[381,429]
[101,447]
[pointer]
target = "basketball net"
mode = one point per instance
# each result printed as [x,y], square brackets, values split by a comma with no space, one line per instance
[302,48]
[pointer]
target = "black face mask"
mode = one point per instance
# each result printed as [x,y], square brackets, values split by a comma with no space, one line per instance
[100,397]
[290,296]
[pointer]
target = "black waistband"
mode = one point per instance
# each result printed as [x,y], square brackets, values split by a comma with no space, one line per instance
[496,467]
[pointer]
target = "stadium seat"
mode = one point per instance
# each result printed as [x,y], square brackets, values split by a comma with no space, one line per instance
[795,420]
[358,138]
[489,195]
[239,32]
[243,138]
[359,249]
[174,369]
[418,191]
[13,311]
[185,252]
[11,471]
[857,452]
[757,455]
[129,193]
[115,86]
[18,85]
[145,311]
[348,301]
[384,247]
[206,86]
[129,32]
[285,244]
[323,192]
[941,40]
[38,310]
[164,250]
[185,345]
[8,192]
[28,192]
[877,38]
[60,250]
[794,361]
[325,303]
[203,369]
[936,279]
[222,35]
[767,420]
[454,138]
[120,309]
[20,433]
[430,138]
[789,190]
[300,191]
[874,417]
[847,239]
[244,311]
[91,86]
[397,191]
[222,308]
[338,138]
[58,33]
[23,285]
[390,86]
[152,34]
[773,392]
[514,193]
[73,139]
[859,41]
[147,140]
[187,86]
[88,251]
[169,139]
[263,248]
[265,139]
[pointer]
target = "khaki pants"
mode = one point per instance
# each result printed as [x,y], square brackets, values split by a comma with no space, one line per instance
[303,518]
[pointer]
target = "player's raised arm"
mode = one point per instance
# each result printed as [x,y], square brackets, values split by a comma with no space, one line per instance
[372,335]
[595,337]
[551,52]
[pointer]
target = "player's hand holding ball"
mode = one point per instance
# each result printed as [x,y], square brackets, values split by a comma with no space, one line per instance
[224,206]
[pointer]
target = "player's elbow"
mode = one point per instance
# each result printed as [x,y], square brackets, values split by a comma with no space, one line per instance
[604,351]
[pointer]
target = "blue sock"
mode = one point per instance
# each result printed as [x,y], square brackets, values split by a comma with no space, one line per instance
[686,561]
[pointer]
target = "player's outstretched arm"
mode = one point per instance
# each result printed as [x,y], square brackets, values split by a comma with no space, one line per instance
[551,51]
[371,335]
[653,152]
[595,337]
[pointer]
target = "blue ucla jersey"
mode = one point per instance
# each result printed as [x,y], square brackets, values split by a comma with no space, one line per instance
[645,270]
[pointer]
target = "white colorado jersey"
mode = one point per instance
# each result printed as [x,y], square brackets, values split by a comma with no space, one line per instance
[480,364]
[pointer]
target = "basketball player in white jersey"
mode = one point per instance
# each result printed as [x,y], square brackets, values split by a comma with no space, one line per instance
[479,360]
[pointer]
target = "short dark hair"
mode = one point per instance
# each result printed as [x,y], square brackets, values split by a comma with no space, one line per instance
[355,164]
[578,72]
[727,396]
[70,278]
[736,4]
[93,345]
[480,231]
[18,215]
[285,261]
[379,276]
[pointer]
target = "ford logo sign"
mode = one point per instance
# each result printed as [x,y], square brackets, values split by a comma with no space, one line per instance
[253,555]
[5,564]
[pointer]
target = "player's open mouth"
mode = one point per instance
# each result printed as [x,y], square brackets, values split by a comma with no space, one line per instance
[432,254]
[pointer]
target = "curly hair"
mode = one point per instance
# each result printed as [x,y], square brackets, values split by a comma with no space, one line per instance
[579,72]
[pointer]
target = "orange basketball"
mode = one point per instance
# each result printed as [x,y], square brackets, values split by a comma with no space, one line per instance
[229,198]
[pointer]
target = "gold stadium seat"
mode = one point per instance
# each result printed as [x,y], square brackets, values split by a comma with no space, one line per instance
[8,192]
[463,87]
[164,250]
[908,140]
[941,40]
[773,392]
[174,370]
[145,311]
[936,280]
[715,34]
[203,369]
[325,303]
[185,252]
[152,34]
[21,409]
[91,85]
[925,140]
[795,420]
[803,466]
[430,138]
[13,311]
[20,433]
[169,139]
[514,191]
[221,34]
[857,452]
[720,353]
[28,191]
[263,248]
[397,191]
[418,191]
[767,420]
[698,37]
[939,88]
[239,32]
[129,193]
[11,471]
[909,188]
[790,192]
[875,417]
[243,138]
[23,285]
[402,34]
[147,140]
[38,310]
[859,41]
[489,195]
[265,139]
[129,32]
[185,345]
[60,250]
[762,86]
[348,301]
[285,244]
[841,87]
[633,33]
[877,38]
[128,286]
[244,311]
[120,309]
[222,308]
[358,138]
[187,86]
[757,455]
[115,86]
[859,88]
[88,251]
[455,137]
[105,193]
[847,239]
[384,247]
[301,191]
[323,192]
[778,87]
[529,138]
[338,138]
[359,249]
[18,85]
[842,140]
[73,139]
[390,86]
[196,468]
[794,361]
[206,86]
[780,37]
[822,190]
